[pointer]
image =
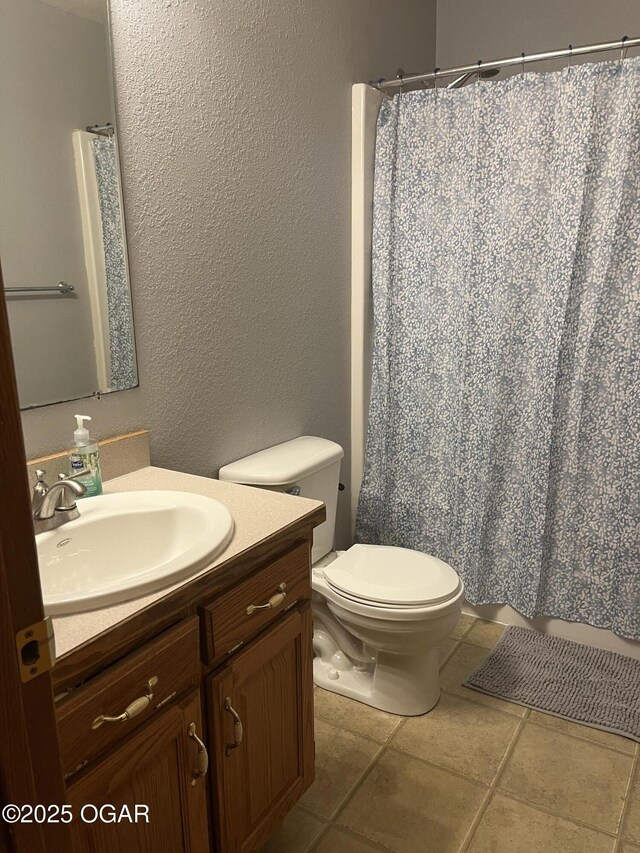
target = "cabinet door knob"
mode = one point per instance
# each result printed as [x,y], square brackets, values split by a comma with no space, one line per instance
[237,727]
[136,707]
[202,759]
[274,601]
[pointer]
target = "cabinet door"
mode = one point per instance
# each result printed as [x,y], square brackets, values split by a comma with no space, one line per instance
[156,767]
[261,771]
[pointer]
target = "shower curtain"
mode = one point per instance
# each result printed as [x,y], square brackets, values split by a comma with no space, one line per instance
[504,424]
[121,342]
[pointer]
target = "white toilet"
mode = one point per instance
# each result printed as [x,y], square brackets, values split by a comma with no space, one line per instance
[379,612]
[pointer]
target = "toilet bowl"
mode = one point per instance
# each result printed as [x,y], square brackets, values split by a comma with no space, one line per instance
[379,612]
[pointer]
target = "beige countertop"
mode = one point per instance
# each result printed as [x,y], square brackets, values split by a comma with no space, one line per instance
[257,514]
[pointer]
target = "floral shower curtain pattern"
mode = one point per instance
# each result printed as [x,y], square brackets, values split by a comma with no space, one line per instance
[504,426]
[122,347]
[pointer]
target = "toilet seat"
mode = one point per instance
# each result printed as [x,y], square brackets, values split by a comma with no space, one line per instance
[389,577]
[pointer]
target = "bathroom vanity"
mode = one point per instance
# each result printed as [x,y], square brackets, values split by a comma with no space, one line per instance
[196,701]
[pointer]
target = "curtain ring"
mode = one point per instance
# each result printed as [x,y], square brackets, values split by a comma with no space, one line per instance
[400,77]
[623,49]
[570,56]
[436,71]
[522,56]
[479,63]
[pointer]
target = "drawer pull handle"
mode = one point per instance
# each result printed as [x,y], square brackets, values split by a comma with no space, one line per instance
[274,601]
[202,762]
[136,707]
[237,727]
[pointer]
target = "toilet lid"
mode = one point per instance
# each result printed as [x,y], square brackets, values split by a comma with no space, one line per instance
[388,575]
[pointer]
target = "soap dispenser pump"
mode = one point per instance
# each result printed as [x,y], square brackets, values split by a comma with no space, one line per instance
[84,456]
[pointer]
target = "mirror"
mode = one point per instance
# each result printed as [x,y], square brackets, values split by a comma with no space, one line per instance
[62,238]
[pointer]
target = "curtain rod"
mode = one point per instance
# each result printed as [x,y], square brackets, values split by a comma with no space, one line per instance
[622,45]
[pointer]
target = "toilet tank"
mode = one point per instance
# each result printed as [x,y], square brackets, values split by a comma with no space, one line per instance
[306,466]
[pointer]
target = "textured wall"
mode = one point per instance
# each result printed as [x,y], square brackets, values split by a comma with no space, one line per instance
[469,30]
[235,138]
[53,67]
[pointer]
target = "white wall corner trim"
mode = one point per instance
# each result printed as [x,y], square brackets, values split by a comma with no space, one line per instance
[365,104]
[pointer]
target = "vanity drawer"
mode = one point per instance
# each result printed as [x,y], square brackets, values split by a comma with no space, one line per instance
[170,663]
[230,620]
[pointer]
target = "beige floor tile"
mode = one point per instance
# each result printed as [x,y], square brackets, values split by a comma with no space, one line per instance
[631,828]
[461,735]
[485,634]
[354,716]
[508,826]
[341,759]
[464,623]
[296,834]
[461,664]
[578,779]
[411,806]
[622,744]
[627,847]
[444,650]
[336,841]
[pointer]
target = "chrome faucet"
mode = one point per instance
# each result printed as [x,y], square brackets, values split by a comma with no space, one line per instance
[55,505]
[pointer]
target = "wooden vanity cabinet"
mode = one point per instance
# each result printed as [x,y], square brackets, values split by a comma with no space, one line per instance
[243,653]
[260,710]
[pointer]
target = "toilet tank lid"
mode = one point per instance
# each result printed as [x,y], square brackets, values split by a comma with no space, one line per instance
[283,464]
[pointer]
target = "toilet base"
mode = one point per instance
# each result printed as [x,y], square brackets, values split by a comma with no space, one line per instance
[407,686]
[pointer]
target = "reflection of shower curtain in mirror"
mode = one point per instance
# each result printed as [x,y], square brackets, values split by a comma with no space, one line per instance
[123,362]
[504,425]
[105,260]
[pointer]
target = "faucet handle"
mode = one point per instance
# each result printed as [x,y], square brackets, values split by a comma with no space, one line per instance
[74,476]
[40,489]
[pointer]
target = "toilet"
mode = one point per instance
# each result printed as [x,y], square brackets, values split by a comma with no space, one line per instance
[379,612]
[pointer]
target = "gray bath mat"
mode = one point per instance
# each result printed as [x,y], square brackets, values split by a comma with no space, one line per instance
[570,680]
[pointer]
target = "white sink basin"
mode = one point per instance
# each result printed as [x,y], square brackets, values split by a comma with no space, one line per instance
[127,545]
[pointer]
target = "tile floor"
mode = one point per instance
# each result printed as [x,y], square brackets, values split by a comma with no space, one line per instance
[477,774]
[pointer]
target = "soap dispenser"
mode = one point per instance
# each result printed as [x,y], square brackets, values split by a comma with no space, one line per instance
[84,456]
